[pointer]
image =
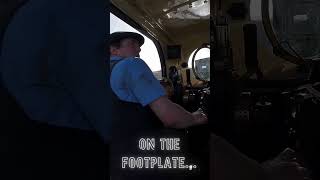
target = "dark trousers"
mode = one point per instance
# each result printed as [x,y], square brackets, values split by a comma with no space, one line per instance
[39,151]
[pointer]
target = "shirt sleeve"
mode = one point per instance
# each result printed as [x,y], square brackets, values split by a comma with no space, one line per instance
[143,83]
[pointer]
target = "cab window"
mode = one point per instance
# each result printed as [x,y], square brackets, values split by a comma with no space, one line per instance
[203,53]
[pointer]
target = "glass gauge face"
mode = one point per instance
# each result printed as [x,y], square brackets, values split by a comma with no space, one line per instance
[202,64]
[296,24]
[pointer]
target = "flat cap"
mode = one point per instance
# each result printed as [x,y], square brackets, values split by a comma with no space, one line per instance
[118,36]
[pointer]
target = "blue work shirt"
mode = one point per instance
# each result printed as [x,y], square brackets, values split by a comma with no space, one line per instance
[132,81]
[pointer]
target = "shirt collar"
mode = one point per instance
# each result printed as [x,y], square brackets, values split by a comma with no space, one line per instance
[115,58]
[118,58]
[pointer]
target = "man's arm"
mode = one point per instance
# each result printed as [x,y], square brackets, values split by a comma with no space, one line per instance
[148,91]
[174,116]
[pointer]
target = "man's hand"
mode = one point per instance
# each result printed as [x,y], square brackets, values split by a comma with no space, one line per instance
[174,116]
[200,117]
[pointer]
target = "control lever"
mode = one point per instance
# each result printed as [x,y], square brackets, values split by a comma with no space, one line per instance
[188,78]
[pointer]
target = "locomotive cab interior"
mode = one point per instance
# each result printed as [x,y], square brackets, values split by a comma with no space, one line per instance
[251,65]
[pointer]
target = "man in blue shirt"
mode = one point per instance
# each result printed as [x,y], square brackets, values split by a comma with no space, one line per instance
[140,106]
[132,81]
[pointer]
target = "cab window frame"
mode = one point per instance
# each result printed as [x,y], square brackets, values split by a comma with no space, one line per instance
[192,54]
